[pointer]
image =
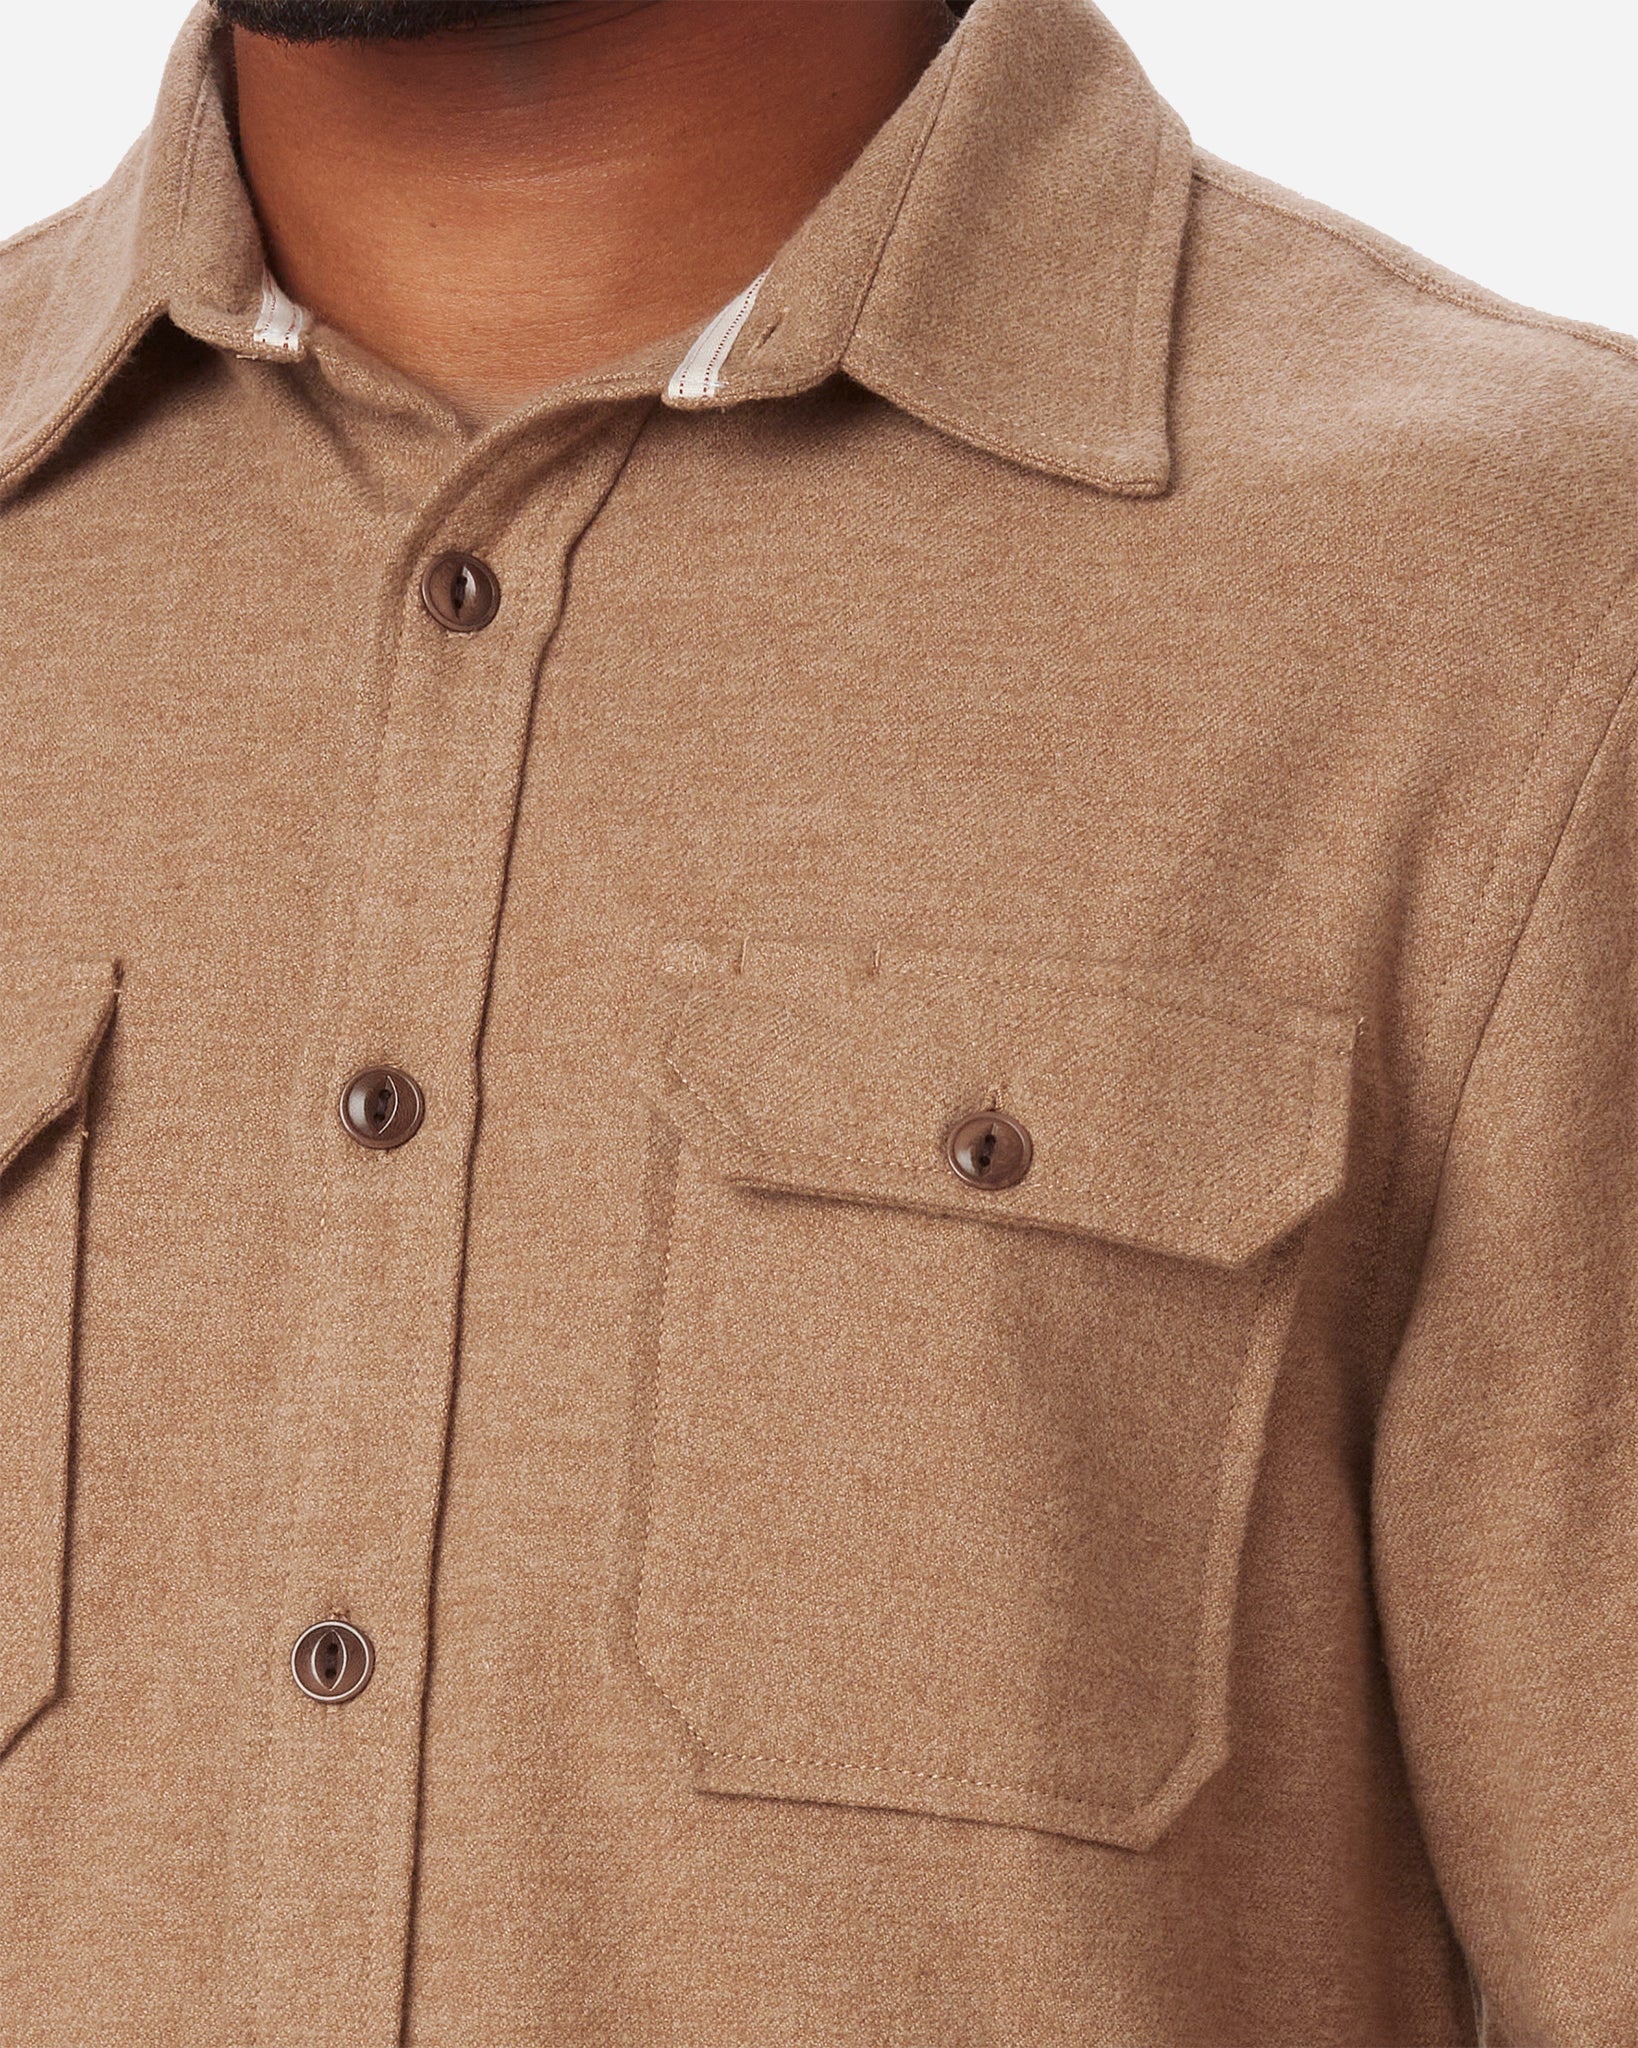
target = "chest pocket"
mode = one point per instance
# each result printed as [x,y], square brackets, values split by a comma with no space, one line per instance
[947,1485]
[52,1020]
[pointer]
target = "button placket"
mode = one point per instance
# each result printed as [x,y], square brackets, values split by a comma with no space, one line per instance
[417,911]
[990,1151]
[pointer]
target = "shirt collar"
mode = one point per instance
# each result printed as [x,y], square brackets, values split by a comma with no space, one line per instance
[171,233]
[1001,262]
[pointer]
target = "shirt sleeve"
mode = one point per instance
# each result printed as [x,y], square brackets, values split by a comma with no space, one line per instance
[1506,1476]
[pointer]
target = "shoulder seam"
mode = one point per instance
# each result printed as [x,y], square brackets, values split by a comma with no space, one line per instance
[1539,854]
[1554,851]
[1476,301]
[41,228]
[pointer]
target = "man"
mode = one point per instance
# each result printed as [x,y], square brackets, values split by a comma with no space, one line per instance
[817,1085]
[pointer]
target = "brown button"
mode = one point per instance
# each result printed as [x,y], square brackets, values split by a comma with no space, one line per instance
[333,1662]
[990,1151]
[462,593]
[381,1108]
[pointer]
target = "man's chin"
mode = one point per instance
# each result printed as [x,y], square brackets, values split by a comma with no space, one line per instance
[339,21]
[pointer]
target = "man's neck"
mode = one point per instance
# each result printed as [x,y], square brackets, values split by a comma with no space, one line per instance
[499,208]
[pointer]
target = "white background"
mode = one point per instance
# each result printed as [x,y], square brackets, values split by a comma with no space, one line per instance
[1490,134]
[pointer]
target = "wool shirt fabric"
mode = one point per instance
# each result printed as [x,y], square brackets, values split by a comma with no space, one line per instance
[1095,638]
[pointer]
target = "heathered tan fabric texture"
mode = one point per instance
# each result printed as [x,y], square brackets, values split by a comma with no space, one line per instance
[1121,645]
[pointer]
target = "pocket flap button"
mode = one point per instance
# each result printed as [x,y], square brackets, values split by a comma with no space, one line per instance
[991,1151]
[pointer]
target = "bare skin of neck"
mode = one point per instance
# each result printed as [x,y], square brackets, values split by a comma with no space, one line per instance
[502,207]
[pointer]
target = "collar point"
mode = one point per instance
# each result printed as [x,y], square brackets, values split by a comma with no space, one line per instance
[1126,464]
[1117,472]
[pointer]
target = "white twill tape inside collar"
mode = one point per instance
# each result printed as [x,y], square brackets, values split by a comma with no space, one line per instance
[281,322]
[699,374]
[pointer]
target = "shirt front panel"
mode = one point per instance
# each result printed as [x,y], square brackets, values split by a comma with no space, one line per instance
[815,677]
[216,722]
[823,726]
[879,692]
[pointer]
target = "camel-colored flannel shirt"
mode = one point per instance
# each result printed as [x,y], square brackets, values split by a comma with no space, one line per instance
[820,1202]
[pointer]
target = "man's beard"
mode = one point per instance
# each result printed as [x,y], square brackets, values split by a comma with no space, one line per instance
[363,21]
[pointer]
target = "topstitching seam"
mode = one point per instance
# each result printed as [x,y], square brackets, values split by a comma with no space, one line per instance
[724,1121]
[33,233]
[1525,922]
[1140,277]
[889,1766]
[1463,950]
[861,297]
[1475,301]
[1165,1006]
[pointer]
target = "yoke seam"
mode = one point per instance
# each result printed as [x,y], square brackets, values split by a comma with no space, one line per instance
[26,237]
[1464,948]
[1476,300]
[1628,695]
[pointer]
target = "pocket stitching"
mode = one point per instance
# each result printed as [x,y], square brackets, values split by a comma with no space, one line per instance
[1200,1733]
[1323,1035]
[73,1097]
[1204,1731]
[90,978]
[996,1207]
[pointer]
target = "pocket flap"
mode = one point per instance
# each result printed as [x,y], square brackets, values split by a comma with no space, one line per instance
[52,1019]
[1167,1115]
